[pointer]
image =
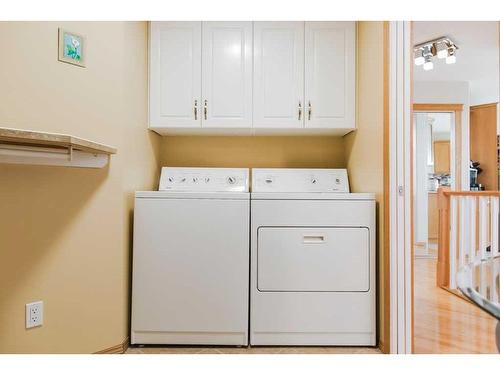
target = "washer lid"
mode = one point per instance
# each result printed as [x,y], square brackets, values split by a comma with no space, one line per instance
[291,180]
[192,195]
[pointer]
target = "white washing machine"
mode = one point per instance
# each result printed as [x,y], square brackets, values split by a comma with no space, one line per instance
[312,259]
[191,259]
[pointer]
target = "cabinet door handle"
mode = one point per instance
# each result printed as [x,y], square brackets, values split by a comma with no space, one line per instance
[309,111]
[196,109]
[205,108]
[300,110]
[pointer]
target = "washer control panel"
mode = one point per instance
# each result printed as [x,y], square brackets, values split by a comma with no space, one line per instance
[289,180]
[204,179]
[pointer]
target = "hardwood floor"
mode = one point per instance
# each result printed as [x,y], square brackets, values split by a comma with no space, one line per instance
[444,323]
[423,251]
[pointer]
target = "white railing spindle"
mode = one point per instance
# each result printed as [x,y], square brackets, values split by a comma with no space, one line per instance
[494,227]
[483,284]
[462,229]
[495,274]
[453,242]
[471,249]
[483,226]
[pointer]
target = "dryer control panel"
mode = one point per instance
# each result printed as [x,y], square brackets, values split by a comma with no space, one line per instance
[290,180]
[204,179]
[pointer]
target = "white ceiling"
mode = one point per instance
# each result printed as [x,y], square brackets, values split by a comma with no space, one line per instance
[477,56]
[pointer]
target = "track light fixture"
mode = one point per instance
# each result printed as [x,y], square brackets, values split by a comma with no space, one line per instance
[443,48]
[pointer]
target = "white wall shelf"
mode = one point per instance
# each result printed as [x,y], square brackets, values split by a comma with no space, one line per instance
[40,148]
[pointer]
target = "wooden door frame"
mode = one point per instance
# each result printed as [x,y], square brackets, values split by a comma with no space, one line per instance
[457,110]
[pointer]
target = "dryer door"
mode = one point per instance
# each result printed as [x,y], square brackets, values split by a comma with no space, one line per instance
[313,259]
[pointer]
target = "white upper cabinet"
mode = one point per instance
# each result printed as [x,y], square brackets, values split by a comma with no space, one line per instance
[232,78]
[278,90]
[175,75]
[330,75]
[227,74]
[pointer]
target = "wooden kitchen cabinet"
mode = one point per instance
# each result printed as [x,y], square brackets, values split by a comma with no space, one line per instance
[442,157]
[433,214]
[483,143]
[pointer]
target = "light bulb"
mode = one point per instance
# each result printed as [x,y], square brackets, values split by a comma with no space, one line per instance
[451,59]
[428,65]
[442,54]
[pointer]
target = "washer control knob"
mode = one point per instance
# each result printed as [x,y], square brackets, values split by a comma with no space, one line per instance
[170,179]
[314,180]
[195,179]
[207,180]
[337,180]
[231,180]
[183,179]
[268,180]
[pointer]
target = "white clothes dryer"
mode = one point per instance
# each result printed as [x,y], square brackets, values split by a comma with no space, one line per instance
[312,259]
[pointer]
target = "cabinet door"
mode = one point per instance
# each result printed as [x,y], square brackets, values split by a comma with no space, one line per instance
[227,74]
[433,222]
[175,74]
[442,157]
[330,74]
[278,92]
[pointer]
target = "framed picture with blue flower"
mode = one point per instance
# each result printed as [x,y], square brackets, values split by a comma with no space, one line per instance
[71,48]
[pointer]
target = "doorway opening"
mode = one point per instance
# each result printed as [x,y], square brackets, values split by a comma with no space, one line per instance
[454,122]
[435,167]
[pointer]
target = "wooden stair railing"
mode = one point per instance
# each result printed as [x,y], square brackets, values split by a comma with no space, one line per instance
[468,232]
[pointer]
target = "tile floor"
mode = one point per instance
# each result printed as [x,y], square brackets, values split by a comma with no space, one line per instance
[155,349]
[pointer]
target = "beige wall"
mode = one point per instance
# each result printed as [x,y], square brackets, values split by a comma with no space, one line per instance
[65,233]
[253,152]
[365,147]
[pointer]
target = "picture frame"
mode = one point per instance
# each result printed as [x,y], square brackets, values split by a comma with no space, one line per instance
[71,48]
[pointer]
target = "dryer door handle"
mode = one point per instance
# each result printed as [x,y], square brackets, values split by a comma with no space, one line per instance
[314,238]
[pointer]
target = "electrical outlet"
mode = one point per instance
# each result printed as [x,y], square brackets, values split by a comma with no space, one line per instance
[34,314]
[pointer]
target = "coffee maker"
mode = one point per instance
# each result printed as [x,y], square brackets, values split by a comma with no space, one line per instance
[474,171]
